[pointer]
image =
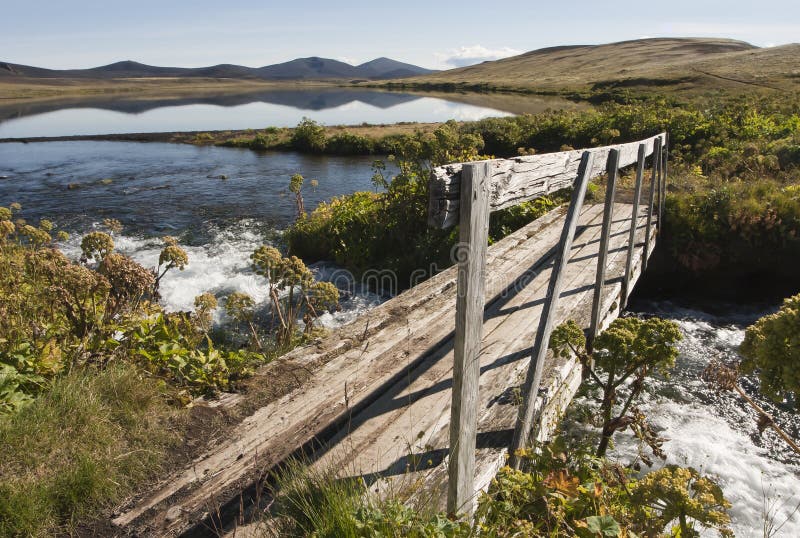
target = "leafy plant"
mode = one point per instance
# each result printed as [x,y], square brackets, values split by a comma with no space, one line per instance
[624,356]
[565,490]
[771,348]
[682,494]
[296,188]
[303,295]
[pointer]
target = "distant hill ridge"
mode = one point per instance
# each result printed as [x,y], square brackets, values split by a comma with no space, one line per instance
[679,63]
[313,68]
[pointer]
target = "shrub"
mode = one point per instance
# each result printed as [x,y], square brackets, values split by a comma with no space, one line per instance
[304,296]
[623,357]
[308,136]
[349,144]
[56,314]
[771,348]
[565,491]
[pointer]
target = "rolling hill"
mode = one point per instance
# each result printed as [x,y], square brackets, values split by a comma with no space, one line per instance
[313,68]
[677,62]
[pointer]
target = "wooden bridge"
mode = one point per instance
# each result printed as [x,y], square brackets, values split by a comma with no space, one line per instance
[458,361]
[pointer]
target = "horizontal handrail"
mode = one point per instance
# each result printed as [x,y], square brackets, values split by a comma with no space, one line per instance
[525,178]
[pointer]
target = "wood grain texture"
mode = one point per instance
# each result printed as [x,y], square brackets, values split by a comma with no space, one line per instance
[540,345]
[651,209]
[471,257]
[381,387]
[350,368]
[522,178]
[612,166]
[637,194]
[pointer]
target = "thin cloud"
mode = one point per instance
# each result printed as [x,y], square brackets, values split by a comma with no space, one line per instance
[474,54]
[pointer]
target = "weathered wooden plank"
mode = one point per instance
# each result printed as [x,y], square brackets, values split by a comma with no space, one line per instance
[522,178]
[560,381]
[651,210]
[663,182]
[379,440]
[540,345]
[637,193]
[608,216]
[471,254]
[393,424]
[357,360]
[394,440]
[397,443]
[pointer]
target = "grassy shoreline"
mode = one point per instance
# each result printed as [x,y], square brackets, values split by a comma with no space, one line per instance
[221,137]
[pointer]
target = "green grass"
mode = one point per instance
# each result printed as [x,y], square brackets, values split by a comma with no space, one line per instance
[312,502]
[90,439]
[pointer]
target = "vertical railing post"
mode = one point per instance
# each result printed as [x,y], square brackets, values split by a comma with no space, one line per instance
[653,186]
[663,182]
[637,192]
[657,169]
[471,257]
[530,389]
[612,167]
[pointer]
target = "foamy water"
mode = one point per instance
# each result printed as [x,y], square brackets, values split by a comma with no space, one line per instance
[222,266]
[717,433]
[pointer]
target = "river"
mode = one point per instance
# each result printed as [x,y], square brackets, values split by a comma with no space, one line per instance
[157,189]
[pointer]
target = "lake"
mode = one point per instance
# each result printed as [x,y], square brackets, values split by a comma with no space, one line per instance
[278,108]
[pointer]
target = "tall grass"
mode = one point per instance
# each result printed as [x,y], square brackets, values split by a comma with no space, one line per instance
[313,502]
[83,444]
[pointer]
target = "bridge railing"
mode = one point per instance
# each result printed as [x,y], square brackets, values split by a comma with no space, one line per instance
[466,194]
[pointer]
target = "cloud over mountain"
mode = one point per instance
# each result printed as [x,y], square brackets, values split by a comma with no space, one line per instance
[474,54]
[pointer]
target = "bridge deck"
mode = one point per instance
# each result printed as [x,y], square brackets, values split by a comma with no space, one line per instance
[378,402]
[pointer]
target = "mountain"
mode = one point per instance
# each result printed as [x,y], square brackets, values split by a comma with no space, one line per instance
[313,68]
[658,62]
[385,68]
[309,68]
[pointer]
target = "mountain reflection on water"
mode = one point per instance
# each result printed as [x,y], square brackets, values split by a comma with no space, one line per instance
[283,107]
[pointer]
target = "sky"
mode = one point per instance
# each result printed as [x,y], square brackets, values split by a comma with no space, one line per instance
[439,34]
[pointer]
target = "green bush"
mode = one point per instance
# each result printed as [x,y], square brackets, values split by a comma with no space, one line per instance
[308,136]
[771,348]
[349,144]
[750,225]
[387,230]
[565,491]
[56,314]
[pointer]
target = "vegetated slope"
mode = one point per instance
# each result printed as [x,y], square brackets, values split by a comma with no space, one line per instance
[313,68]
[686,62]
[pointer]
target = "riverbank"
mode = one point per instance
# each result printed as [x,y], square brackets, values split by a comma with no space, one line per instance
[225,137]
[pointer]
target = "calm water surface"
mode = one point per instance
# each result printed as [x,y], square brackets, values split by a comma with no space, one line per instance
[279,108]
